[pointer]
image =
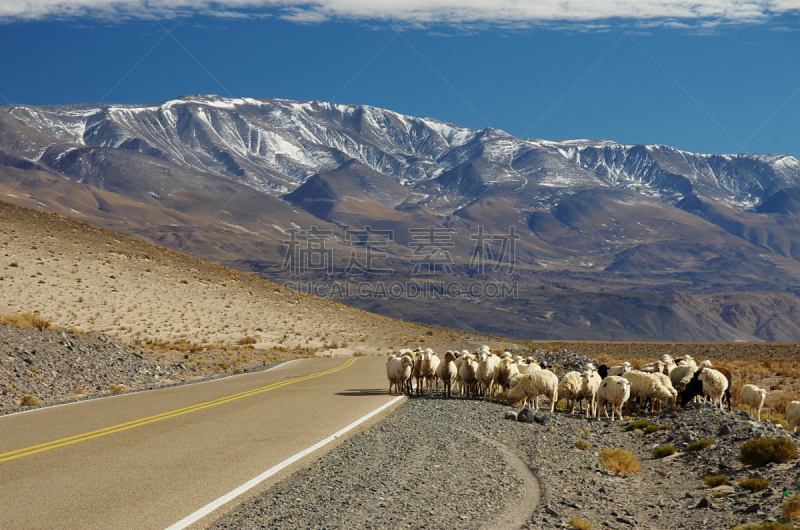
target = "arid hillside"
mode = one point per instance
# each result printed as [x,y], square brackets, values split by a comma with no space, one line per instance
[76,275]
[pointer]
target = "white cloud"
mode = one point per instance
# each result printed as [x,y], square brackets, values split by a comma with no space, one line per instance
[412,11]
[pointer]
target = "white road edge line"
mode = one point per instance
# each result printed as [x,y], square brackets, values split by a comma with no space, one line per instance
[126,394]
[208,508]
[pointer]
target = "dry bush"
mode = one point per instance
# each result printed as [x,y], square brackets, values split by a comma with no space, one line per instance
[790,509]
[713,481]
[116,389]
[653,428]
[582,444]
[28,401]
[699,445]
[25,320]
[579,523]
[80,391]
[638,424]
[754,484]
[762,451]
[620,461]
[664,450]
[78,332]
[246,340]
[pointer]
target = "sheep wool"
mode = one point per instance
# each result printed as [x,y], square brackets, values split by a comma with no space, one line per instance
[532,385]
[447,371]
[793,415]
[590,380]
[571,389]
[714,385]
[754,397]
[615,390]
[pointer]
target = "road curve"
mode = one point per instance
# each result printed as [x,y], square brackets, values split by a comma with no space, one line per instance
[147,460]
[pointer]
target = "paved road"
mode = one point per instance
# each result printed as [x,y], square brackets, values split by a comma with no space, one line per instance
[149,459]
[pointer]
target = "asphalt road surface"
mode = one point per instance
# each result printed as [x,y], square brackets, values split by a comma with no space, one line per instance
[150,459]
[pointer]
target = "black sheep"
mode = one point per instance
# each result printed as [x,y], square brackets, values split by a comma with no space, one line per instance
[695,387]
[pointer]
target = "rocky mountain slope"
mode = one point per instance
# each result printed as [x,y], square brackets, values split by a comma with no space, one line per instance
[227,179]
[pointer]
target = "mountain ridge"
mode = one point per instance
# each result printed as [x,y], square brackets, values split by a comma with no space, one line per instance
[226,178]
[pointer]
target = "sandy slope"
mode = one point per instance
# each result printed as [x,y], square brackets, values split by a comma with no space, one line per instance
[78,275]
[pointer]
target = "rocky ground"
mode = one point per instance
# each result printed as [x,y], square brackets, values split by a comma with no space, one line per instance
[57,366]
[444,463]
[454,463]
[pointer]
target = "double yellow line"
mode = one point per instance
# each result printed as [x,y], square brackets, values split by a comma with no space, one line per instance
[11,455]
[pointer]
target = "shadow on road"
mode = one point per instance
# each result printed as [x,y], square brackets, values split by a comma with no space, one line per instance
[363,392]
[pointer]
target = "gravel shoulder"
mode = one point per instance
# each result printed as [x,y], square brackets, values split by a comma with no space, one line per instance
[431,464]
[449,463]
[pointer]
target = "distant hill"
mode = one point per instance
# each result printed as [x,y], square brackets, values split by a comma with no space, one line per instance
[635,242]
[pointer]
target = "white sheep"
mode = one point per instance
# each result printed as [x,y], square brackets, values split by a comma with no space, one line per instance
[665,380]
[506,355]
[571,389]
[508,370]
[647,386]
[429,364]
[488,368]
[532,385]
[468,372]
[793,415]
[753,397]
[527,366]
[446,371]
[399,370]
[681,375]
[714,385]
[616,390]
[590,383]
[656,367]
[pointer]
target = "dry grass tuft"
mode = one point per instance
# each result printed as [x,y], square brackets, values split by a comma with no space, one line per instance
[579,523]
[620,461]
[116,389]
[78,332]
[699,445]
[790,509]
[582,444]
[28,401]
[246,340]
[762,451]
[754,484]
[713,481]
[25,320]
[664,450]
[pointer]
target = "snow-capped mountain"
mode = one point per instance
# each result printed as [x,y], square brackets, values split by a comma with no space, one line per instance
[276,145]
[644,241]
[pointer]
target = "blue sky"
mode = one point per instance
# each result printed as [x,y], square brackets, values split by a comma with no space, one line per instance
[712,84]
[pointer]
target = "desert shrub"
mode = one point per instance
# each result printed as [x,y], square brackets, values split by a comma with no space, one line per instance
[221,366]
[638,424]
[699,445]
[763,526]
[712,481]
[651,429]
[80,391]
[790,509]
[579,523]
[719,494]
[582,444]
[620,461]
[10,389]
[761,451]
[246,340]
[754,484]
[25,320]
[116,389]
[28,401]
[78,332]
[664,450]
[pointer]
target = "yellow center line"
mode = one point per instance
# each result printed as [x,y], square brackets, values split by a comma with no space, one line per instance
[11,455]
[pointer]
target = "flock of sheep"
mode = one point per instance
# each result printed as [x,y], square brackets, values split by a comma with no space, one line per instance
[523,380]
